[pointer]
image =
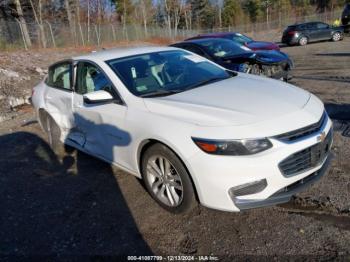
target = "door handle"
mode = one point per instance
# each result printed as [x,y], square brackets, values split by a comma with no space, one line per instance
[48,97]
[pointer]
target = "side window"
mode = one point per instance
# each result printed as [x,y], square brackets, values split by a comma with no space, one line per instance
[90,79]
[311,26]
[303,27]
[322,26]
[60,76]
[194,50]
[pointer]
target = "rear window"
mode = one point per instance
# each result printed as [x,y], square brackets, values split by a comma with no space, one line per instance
[60,76]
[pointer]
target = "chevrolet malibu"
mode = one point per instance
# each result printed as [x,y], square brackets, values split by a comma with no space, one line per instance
[192,130]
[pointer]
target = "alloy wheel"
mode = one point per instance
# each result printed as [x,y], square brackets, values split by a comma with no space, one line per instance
[336,37]
[164,181]
[303,41]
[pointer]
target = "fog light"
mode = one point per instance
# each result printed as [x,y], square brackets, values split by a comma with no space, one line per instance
[248,188]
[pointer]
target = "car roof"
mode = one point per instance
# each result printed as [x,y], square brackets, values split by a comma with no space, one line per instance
[220,34]
[298,24]
[202,40]
[217,34]
[120,52]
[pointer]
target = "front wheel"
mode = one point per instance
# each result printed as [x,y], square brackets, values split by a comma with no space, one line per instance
[336,37]
[167,179]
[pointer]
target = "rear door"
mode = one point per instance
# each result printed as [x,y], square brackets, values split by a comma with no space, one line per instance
[312,31]
[100,125]
[59,94]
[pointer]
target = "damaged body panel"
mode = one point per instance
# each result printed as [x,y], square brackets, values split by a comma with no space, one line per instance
[270,63]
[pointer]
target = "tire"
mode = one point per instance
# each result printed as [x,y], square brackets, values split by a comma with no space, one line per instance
[172,189]
[303,41]
[336,37]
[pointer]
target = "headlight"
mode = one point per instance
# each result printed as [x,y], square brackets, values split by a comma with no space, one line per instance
[233,147]
[243,68]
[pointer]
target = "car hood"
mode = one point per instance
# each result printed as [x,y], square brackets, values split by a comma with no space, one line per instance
[259,45]
[240,100]
[271,56]
[265,57]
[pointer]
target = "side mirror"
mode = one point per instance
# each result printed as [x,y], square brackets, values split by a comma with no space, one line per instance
[100,96]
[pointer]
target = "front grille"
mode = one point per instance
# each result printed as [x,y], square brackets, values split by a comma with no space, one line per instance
[271,70]
[306,159]
[302,132]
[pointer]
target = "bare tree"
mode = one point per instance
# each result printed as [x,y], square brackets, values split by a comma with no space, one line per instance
[70,17]
[188,17]
[23,24]
[168,15]
[38,16]
[88,21]
[178,10]
[146,12]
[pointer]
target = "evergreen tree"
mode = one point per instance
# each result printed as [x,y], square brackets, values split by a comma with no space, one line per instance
[253,9]
[232,13]
[124,9]
[203,13]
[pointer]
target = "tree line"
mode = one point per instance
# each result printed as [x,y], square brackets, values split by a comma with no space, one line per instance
[171,14]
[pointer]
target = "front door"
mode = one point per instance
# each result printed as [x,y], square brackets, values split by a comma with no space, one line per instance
[324,31]
[101,125]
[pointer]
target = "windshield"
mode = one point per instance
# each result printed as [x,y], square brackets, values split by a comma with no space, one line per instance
[224,48]
[164,73]
[239,38]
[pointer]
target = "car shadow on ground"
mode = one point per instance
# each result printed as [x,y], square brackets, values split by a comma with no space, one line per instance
[342,79]
[332,54]
[49,208]
[340,115]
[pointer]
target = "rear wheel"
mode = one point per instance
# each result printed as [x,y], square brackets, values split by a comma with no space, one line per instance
[167,179]
[336,37]
[303,41]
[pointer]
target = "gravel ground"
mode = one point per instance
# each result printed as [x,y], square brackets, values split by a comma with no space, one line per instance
[75,205]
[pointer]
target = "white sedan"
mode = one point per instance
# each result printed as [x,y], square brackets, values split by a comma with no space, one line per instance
[190,129]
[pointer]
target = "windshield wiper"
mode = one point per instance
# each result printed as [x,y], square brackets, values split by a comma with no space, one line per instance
[161,92]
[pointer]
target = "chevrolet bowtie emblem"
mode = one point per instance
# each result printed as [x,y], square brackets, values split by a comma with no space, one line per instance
[321,137]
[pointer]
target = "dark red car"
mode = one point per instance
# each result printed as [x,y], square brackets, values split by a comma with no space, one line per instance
[241,39]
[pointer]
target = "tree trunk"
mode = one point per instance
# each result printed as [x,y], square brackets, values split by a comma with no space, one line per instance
[70,18]
[88,21]
[144,16]
[38,20]
[23,23]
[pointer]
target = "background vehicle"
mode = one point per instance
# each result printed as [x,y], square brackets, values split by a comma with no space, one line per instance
[236,57]
[184,125]
[345,18]
[302,34]
[240,39]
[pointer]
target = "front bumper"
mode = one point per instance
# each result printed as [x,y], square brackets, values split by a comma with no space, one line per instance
[285,194]
[214,176]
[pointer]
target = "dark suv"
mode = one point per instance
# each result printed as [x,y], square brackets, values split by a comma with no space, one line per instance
[345,18]
[301,34]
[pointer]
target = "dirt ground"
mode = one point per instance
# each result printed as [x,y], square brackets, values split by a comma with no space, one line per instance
[78,206]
